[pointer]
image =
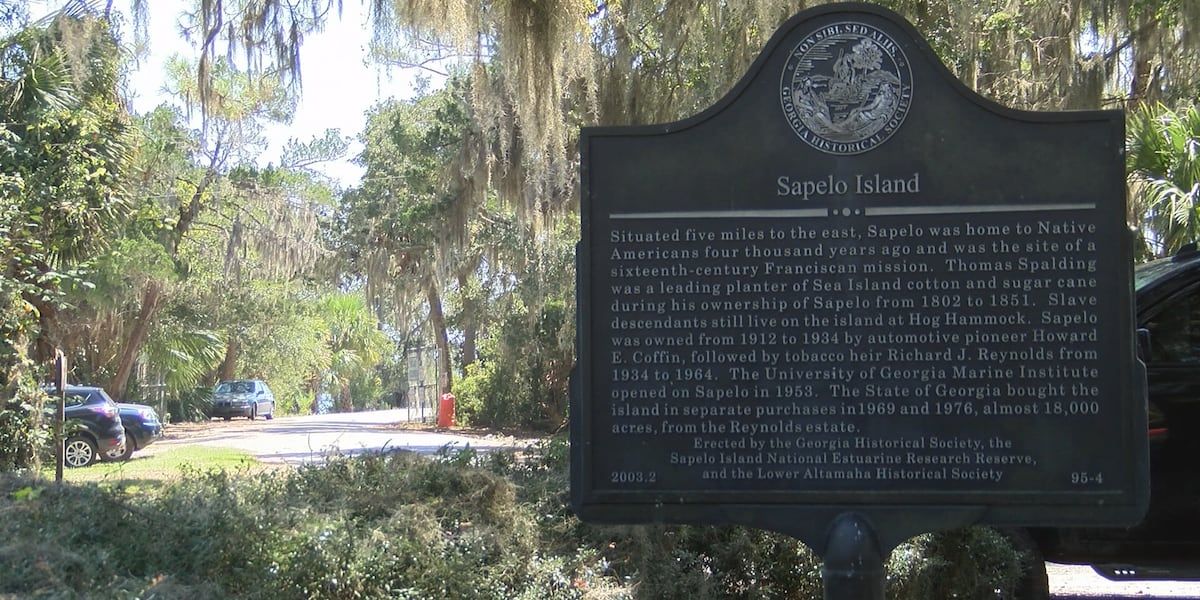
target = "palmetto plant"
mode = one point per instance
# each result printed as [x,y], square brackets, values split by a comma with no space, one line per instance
[36,72]
[181,356]
[355,344]
[1163,166]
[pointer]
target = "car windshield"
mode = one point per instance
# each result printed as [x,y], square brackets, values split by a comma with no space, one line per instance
[236,387]
[1146,273]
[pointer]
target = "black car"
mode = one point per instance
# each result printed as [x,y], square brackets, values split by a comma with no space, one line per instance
[142,428]
[92,425]
[248,398]
[1167,542]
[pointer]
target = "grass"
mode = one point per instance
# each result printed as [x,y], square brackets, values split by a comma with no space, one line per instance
[153,470]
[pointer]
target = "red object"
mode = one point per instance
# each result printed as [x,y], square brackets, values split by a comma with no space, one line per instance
[445,417]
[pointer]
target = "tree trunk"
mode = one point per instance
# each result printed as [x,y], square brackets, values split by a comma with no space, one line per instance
[437,319]
[188,211]
[48,329]
[470,322]
[137,337]
[228,368]
[1140,90]
[49,332]
[315,390]
[470,334]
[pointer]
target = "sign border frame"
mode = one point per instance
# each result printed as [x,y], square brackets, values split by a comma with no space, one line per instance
[808,521]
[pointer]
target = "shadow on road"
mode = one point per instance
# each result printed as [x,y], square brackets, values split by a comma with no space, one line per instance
[222,430]
[315,428]
[319,456]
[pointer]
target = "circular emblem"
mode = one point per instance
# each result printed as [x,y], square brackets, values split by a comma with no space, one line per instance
[846,88]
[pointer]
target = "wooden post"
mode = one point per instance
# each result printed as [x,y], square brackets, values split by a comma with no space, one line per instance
[60,384]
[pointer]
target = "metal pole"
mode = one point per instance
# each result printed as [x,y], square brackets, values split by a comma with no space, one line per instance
[853,567]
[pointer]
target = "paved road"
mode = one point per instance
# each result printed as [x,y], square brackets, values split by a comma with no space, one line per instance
[1069,582]
[297,440]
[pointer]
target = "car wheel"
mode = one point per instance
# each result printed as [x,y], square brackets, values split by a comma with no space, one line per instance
[270,415]
[227,418]
[79,452]
[253,412]
[122,452]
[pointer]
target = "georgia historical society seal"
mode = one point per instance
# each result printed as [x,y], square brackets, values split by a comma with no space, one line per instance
[846,88]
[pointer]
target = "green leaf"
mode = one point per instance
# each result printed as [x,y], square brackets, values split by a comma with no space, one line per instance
[27,494]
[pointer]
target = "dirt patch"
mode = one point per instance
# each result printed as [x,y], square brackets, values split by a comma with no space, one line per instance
[198,429]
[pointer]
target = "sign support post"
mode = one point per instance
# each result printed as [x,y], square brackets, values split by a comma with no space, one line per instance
[853,566]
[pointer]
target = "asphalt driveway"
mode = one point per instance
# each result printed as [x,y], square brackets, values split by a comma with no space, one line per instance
[312,438]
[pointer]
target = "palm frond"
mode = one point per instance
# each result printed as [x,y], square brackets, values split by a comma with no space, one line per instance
[1163,163]
[183,356]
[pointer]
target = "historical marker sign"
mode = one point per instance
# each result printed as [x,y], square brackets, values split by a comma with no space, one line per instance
[853,284]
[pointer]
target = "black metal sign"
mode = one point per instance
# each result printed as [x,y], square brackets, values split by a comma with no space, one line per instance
[855,285]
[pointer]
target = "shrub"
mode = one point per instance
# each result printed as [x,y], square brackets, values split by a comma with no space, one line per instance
[486,396]
[25,434]
[522,375]
[973,562]
[191,405]
[459,525]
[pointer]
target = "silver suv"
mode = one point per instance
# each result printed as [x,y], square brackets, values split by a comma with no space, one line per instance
[250,398]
